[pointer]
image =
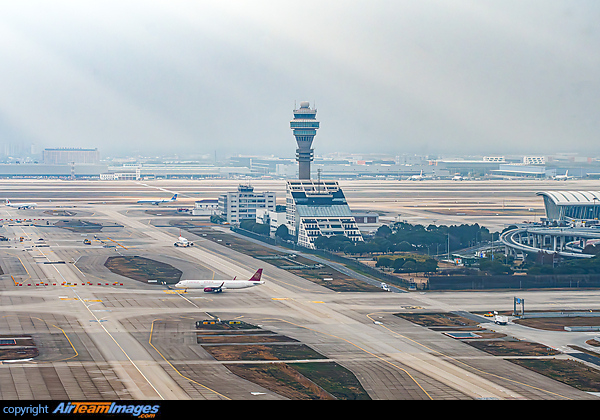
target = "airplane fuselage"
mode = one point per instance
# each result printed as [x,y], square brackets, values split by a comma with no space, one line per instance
[22,205]
[157,202]
[216,284]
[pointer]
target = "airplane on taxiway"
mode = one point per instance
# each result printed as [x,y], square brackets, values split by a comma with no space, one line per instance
[21,205]
[217,286]
[181,241]
[157,202]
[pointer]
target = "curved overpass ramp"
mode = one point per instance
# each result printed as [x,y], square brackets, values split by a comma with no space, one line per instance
[513,239]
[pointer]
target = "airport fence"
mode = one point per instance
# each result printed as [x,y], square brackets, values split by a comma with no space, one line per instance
[352,264]
[481,282]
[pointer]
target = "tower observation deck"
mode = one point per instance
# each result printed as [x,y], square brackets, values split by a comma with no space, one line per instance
[304,125]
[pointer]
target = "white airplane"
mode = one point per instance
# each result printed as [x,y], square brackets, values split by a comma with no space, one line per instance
[563,177]
[21,205]
[157,202]
[181,241]
[457,177]
[217,286]
[419,177]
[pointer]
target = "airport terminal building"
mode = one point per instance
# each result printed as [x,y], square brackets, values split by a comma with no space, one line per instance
[318,208]
[567,206]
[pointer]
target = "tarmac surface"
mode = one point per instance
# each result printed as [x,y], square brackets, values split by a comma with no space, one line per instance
[104,336]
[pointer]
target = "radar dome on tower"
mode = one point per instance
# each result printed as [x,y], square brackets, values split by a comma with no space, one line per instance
[304,104]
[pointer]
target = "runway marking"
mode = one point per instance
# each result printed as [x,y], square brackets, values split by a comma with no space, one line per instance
[174,368]
[66,336]
[118,345]
[27,271]
[463,363]
[360,348]
[117,243]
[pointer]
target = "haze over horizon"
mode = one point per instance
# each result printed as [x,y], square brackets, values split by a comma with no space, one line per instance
[199,77]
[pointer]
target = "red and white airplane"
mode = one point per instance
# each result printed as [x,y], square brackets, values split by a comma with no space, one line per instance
[21,205]
[217,286]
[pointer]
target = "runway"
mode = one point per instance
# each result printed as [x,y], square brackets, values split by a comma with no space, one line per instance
[137,340]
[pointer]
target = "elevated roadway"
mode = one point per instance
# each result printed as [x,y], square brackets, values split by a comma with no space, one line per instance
[550,240]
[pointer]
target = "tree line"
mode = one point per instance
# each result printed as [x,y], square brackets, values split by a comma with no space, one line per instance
[405,237]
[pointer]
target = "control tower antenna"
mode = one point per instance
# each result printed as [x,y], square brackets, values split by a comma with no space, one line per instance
[305,126]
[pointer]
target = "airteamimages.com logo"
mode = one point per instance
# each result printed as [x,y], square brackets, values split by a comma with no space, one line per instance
[142,411]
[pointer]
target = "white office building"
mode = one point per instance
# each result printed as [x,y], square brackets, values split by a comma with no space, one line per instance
[243,203]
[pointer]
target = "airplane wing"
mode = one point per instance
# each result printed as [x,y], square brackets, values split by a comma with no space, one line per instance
[218,289]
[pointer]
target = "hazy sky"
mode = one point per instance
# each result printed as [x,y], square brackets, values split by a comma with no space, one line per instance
[192,77]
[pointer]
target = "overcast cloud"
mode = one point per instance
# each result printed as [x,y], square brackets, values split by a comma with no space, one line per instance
[194,77]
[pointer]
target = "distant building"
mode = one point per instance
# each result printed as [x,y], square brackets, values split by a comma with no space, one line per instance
[500,159]
[316,208]
[367,222]
[243,203]
[65,156]
[520,170]
[534,160]
[121,176]
[206,207]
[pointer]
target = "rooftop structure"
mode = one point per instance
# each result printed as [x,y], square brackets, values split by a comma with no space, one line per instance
[304,126]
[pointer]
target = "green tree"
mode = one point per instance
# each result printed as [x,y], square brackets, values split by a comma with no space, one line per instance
[283,232]
[383,231]
[384,262]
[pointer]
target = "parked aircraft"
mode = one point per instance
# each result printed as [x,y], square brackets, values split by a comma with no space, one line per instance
[21,205]
[419,177]
[564,177]
[157,202]
[457,177]
[217,286]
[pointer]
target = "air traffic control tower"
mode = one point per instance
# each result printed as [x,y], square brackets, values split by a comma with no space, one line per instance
[304,126]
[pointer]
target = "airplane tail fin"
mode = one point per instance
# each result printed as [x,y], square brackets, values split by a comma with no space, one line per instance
[174,197]
[256,276]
